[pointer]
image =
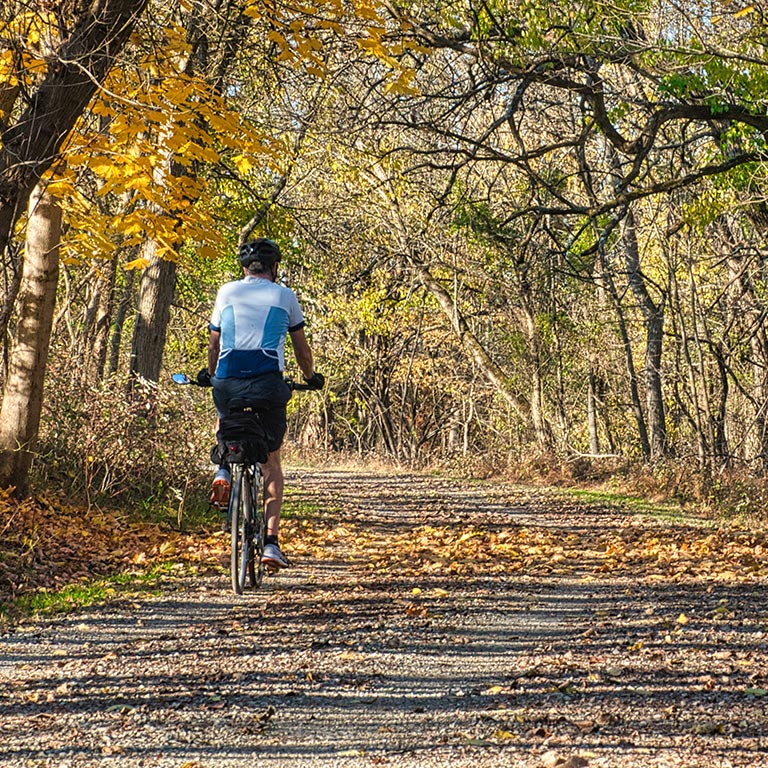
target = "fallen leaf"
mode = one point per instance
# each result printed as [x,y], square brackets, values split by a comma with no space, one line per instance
[472,742]
[708,728]
[552,759]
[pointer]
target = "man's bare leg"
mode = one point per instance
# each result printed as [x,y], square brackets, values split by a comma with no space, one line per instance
[273,491]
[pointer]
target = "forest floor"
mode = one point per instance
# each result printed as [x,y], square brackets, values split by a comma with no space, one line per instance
[425,622]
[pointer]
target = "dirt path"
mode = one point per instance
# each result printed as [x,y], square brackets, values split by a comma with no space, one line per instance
[429,623]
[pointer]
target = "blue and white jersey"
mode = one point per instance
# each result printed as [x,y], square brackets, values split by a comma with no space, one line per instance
[253,316]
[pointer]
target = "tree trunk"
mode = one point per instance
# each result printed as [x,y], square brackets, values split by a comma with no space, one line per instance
[594,439]
[99,339]
[116,338]
[653,315]
[158,283]
[22,402]
[11,283]
[605,280]
[541,426]
[472,346]
[758,344]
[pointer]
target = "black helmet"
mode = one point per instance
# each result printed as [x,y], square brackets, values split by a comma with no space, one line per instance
[262,250]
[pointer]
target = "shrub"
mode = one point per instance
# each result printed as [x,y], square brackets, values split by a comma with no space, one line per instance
[149,449]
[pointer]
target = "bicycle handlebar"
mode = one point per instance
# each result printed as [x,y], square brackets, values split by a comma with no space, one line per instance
[182,378]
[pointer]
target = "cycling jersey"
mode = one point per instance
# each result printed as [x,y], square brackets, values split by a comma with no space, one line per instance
[253,316]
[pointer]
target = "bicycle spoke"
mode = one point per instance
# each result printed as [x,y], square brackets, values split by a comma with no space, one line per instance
[259,529]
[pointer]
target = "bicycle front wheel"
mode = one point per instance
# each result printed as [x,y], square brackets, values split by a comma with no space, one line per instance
[258,528]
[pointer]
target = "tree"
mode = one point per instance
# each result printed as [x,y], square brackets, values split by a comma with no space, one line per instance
[85,41]
[598,108]
[23,397]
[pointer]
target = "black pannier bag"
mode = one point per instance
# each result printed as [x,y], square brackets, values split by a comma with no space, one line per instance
[241,439]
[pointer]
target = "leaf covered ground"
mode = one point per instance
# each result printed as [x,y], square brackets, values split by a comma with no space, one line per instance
[426,622]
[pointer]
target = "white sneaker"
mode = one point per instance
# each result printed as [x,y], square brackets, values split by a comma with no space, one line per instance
[220,490]
[273,557]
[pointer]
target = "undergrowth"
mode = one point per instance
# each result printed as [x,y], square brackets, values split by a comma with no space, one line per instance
[147,450]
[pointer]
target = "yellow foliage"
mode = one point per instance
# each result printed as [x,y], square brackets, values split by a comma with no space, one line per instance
[365,9]
[140,263]
[153,115]
[402,85]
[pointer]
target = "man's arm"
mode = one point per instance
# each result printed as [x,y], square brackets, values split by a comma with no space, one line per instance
[214,345]
[302,352]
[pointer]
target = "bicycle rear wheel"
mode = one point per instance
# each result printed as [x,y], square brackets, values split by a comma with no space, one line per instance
[240,548]
[248,556]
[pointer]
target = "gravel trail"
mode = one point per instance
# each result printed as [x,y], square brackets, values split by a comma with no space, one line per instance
[371,651]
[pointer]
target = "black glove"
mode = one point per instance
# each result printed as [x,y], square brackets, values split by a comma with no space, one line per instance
[316,381]
[204,378]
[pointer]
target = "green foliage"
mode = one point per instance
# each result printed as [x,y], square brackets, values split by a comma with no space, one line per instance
[83,595]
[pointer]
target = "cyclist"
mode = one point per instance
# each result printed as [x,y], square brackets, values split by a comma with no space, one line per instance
[249,324]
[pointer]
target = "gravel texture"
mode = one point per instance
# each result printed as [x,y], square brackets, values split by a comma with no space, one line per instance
[368,653]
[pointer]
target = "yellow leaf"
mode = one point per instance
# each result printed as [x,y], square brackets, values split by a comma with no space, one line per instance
[744,12]
[276,37]
[402,86]
[416,591]
[365,10]
[140,263]
[252,11]
[243,165]
[682,619]
[332,25]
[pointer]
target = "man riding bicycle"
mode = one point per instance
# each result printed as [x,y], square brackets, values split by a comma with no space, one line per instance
[246,357]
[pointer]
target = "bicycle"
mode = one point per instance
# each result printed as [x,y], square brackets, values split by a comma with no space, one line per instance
[242,445]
